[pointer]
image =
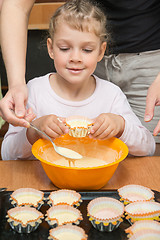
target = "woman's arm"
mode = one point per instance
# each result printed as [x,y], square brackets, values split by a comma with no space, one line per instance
[13,38]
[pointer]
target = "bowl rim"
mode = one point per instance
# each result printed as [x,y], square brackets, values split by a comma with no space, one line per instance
[35,153]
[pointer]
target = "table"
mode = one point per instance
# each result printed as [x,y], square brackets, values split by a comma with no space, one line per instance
[29,173]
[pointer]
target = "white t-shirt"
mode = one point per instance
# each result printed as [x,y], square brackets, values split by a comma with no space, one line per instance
[107,98]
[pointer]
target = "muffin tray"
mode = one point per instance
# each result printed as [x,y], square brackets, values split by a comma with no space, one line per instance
[43,230]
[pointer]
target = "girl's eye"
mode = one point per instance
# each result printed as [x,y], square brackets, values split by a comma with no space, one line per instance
[87,50]
[64,49]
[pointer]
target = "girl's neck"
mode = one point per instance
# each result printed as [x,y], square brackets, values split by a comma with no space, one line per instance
[72,92]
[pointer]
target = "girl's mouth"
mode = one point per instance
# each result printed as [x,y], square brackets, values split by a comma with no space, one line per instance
[75,70]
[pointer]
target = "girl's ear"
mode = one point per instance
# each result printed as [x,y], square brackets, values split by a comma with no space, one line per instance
[102,51]
[50,48]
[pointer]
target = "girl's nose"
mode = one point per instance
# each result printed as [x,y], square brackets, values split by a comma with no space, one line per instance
[75,56]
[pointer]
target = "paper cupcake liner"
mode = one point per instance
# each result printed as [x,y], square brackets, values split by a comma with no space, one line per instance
[75,231]
[65,196]
[79,133]
[70,215]
[135,193]
[142,211]
[27,197]
[143,226]
[15,219]
[105,213]
[145,236]
[79,126]
[38,206]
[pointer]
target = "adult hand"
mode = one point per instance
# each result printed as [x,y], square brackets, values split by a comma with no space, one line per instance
[152,100]
[13,106]
[13,38]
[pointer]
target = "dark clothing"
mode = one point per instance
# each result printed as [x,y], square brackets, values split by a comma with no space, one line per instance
[134,25]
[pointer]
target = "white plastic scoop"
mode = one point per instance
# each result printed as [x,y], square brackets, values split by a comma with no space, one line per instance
[65,152]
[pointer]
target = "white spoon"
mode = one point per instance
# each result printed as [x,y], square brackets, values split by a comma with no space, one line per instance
[65,152]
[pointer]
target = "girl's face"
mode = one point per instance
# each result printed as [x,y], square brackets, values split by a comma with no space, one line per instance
[75,53]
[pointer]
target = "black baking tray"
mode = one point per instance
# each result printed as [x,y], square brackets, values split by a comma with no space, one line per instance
[42,232]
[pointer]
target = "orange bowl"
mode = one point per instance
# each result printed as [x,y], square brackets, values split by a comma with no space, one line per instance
[81,178]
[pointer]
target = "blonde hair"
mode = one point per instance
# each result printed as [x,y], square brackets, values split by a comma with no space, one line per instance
[81,15]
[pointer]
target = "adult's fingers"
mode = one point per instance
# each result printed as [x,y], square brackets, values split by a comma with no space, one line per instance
[157,129]
[153,99]
[10,117]
[10,105]
[20,100]
[150,105]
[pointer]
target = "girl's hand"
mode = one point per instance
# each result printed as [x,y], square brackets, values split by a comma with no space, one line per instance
[48,124]
[107,125]
[29,116]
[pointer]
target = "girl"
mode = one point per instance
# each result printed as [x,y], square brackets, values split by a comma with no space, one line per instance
[76,43]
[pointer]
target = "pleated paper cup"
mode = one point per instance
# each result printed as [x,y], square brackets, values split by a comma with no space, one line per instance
[67,232]
[63,214]
[145,236]
[135,193]
[142,211]
[142,226]
[105,213]
[79,126]
[65,196]
[27,197]
[24,219]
